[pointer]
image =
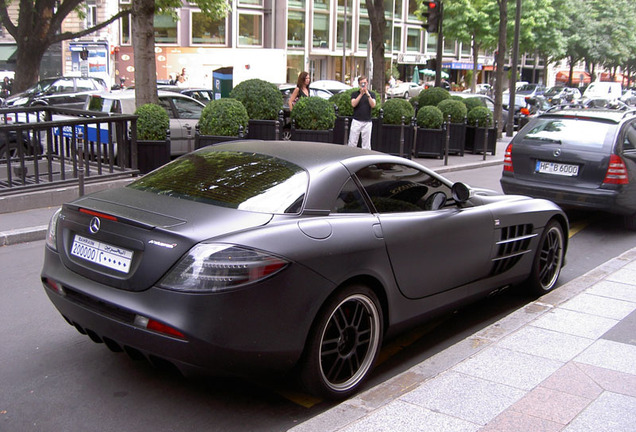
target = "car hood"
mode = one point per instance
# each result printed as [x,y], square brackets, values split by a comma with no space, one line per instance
[152,231]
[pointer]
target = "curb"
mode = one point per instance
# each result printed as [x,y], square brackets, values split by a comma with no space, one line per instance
[23,235]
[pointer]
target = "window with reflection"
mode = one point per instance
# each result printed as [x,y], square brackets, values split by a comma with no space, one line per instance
[395,6]
[412,8]
[413,39]
[206,31]
[250,29]
[397,38]
[340,32]
[321,31]
[431,43]
[321,4]
[449,46]
[165,29]
[124,32]
[251,2]
[296,3]
[296,29]
[364,33]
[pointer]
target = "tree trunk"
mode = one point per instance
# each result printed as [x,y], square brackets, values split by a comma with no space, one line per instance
[375,8]
[473,85]
[28,63]
[143,39]
[500,57]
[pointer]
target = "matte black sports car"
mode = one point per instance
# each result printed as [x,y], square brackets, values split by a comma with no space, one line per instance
[259,256]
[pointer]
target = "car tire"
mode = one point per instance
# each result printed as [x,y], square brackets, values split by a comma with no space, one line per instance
[548,260]
[343,344]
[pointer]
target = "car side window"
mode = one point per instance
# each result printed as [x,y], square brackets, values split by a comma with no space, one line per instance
[350,200]
[395,188]
[165,103]
[84,84]
[187,109]
[64,85]
[629,143]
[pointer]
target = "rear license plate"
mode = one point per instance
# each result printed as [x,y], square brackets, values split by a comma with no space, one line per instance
[101,253]
[557,168]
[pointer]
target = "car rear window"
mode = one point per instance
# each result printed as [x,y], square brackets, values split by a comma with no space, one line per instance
[574,132]
[239,180]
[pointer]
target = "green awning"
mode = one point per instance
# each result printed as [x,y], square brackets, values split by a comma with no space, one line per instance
[8,52]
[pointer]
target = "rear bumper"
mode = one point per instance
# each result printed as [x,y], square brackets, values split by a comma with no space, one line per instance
[590,199]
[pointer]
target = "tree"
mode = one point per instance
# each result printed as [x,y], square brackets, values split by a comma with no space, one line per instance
[38,27]
[375,8]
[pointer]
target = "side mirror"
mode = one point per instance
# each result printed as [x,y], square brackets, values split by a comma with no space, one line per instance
[461,192]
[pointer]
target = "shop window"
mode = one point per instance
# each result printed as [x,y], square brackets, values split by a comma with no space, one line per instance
[413,37]
[165,29]
[206,31]
[250,29]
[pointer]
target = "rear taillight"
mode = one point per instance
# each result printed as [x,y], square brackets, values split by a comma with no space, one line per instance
[210,267]
[507,164]
[51,233]
[616,171]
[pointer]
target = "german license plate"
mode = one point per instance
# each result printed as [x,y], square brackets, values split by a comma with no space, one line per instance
[557,168]
[104,254]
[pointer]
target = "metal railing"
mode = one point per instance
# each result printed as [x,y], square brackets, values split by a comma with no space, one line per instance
[45,147]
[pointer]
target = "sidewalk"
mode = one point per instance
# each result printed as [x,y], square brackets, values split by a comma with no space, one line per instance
[566,362]
[19,226]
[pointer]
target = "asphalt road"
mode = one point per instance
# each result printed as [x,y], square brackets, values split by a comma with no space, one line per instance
[54,379]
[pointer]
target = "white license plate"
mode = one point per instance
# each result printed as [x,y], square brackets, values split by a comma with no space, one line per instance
[557,168]
[101,253]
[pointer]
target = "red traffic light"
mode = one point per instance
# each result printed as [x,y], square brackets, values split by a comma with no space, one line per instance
[432,5]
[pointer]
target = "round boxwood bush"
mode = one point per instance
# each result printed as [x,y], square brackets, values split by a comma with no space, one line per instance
[453,108]
[480,116]
[261,99]
[343,101]
[432,96]
[153,122]
[472,102]
[223,117]
[394,109]
[313,113]
[430,117]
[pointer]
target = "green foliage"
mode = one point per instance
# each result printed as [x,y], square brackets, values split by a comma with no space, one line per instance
[153,122]
[432,96]
[430,117]
[395,109]
[480,116]
[223,117]
[261,99]
[453,108]
[472,102]
[343,101]
[313,113]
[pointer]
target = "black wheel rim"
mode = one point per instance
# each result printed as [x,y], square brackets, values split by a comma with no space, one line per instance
[550,258]
[349,342]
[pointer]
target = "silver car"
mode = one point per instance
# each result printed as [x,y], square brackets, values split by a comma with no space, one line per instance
[184,113]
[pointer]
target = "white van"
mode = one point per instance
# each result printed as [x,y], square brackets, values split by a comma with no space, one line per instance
[603,90]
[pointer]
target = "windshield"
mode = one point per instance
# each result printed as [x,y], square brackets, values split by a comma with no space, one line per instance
[526,89]
[575,132]
[553,91]
[243,181]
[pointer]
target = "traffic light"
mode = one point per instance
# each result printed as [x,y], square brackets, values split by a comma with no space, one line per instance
[84,54]
[433,15]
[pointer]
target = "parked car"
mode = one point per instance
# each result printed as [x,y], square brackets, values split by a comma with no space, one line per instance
[404,90]
[482,88]
[603,90]
[287,90]
[522,93]
[485,101]
[67,91]
[203,95]
[629,97]
[184,113]
[254,256]
[330,85]
[558,95]
[583,158]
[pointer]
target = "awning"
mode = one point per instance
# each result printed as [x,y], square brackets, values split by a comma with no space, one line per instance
[8,52]
[577,77]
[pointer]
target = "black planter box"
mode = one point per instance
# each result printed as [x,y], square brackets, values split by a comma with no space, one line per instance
[339,129]
[263,129]
[201,141]
[390,140]
[152,155]
[457,138]
[430,143]
[475,140]
[312,135]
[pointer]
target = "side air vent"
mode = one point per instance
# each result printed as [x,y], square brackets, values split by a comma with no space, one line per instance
[514,243]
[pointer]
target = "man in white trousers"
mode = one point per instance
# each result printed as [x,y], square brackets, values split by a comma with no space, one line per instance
[362,101]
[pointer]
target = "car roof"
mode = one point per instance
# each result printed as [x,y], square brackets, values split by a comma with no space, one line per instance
[614,116]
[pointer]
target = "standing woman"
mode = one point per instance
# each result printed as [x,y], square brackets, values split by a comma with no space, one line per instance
[301,90]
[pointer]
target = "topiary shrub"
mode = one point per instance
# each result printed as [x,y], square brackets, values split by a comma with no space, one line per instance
[343,101]
[313,113]
[394,109]
[430,117]
[453,108]
[153,122]
[432,96]
[261,99]
[480,116]
[223,117]
[472,102]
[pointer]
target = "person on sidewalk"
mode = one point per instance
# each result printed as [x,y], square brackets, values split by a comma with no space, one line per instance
[301,90]
[363,101]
